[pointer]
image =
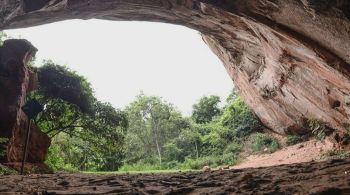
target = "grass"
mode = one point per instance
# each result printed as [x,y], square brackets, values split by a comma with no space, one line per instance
[262,143]
[3,140]
[293,139]
[136,172]
[318,128]
[335,154]
[6,170]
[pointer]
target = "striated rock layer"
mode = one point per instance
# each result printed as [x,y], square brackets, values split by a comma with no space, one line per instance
[313,178]
[16,81]
[289,58]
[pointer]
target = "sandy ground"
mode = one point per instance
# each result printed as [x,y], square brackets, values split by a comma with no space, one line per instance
[302,152]
[329,177]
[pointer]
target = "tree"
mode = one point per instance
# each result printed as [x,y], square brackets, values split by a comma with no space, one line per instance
[232,96]
[190,140]
[239,120]
[58,82]
[71,108]
[206,109]
[153,122]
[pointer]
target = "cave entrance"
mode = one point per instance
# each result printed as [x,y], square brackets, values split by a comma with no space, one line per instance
[125,58]
[288,58]
[136,53]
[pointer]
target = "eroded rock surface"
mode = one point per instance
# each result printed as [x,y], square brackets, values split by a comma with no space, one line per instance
[330,177]
[289,58]
[16,81]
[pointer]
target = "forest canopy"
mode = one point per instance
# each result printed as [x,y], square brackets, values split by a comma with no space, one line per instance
[150,133]
[95,129]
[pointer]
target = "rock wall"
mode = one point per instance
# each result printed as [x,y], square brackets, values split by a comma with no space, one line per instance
[289,58]
[16,81]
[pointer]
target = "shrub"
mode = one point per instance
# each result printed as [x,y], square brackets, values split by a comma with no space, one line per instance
[239,120]
[2,141]
[227,158]
[171,165]
[211,161]
[260,142]
[318,128]
[6,171]
[141,167]
[233,148]
[335,154]
[54,159]
[293,139]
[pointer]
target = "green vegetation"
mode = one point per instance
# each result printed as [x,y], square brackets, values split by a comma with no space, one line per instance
[335,154]
[87,134]
[206,109]
[318,128]
[262,143]
[2,141]
[6,170]
[238,120]
[158,137]
[293,139]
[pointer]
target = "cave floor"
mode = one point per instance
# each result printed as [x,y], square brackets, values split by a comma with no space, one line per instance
[328,177]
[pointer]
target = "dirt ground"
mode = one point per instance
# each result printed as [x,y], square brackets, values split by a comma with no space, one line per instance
[302,152]
[329,177]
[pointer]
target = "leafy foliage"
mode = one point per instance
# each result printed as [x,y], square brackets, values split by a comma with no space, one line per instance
[260,142]
[153,122]
[3,140]
[318,128]
[72,109]
[293,139]
[158,136]
[185,143]
[239,120]
[54,159]
[206,109]
[58,82]
[6,170]
[335,154]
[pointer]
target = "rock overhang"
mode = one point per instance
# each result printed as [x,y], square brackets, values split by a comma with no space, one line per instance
[290,59]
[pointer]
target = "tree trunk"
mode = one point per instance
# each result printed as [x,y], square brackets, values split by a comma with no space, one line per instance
[156,125]
[195,143]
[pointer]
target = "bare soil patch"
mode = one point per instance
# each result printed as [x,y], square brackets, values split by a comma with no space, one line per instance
[302,152]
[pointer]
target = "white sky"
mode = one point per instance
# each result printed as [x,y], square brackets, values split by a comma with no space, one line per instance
[121,59]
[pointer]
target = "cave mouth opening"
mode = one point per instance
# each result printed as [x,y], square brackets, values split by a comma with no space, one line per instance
[155,58]
[240,33]
[139,54]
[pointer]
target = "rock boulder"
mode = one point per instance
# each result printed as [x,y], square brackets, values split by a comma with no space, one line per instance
[16,81]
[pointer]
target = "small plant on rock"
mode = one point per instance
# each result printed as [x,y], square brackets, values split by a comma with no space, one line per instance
[260,142]
[6,170]
[335,154]
[318,128]
[2,141]
[293,139]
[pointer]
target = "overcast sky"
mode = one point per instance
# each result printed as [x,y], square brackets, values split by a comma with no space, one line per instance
[121,59]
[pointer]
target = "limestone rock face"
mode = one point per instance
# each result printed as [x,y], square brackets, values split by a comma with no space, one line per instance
[16,81]
[289,58]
